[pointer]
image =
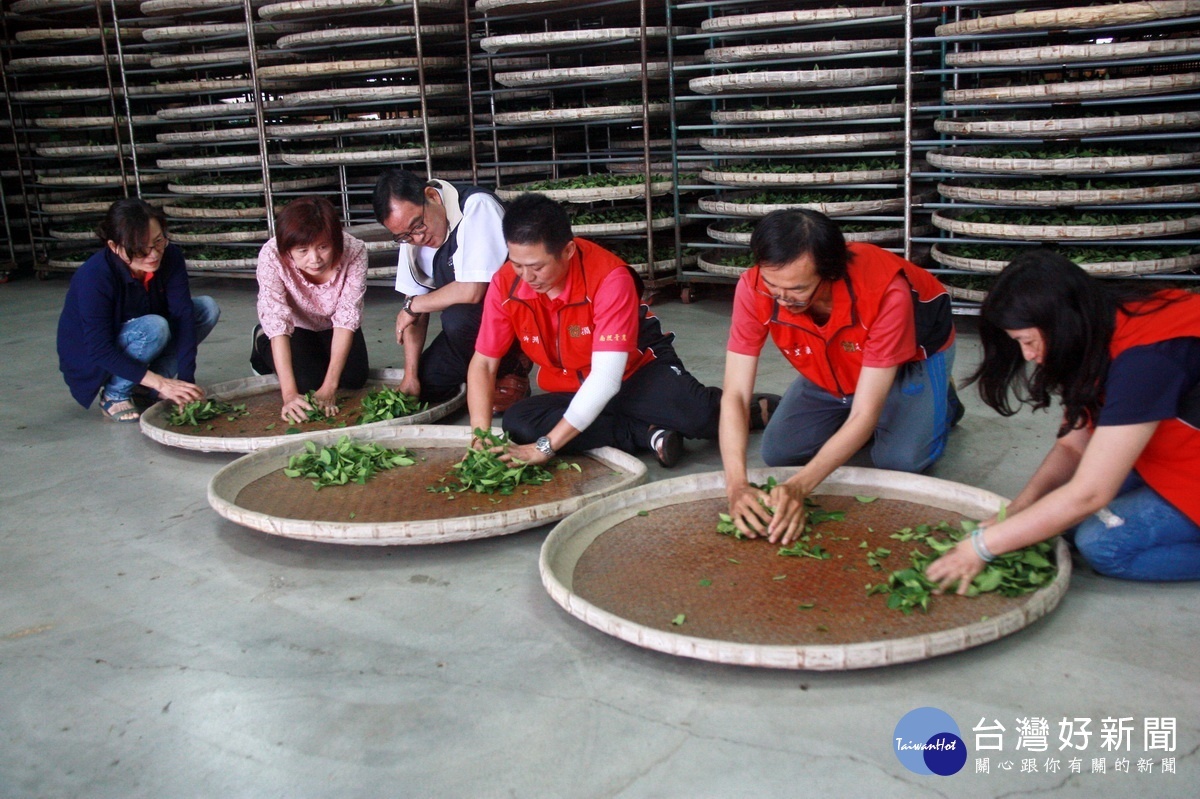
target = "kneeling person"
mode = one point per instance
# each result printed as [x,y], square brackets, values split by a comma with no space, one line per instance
[612,374]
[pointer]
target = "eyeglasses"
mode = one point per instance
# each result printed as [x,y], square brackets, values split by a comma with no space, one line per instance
[416,230]
[159,245]
[784,295]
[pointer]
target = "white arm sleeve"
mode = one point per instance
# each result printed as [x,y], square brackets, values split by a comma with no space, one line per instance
[482,249]
[600,386]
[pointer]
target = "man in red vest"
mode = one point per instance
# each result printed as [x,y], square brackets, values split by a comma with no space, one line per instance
[610,372]
[873,340]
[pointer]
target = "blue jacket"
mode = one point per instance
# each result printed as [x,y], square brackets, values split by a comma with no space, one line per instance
[102,297]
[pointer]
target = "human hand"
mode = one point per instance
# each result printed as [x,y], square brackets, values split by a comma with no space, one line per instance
[409,384]
[404,320]
[326,400]
[960,565]
[525,453]
[787,524]
[295,409]
[747,511]
[180,392]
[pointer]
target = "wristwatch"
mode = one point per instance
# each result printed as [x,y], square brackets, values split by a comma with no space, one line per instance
[543,446]
[408,301]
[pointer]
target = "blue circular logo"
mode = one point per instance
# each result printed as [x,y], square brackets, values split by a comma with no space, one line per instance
[926,741]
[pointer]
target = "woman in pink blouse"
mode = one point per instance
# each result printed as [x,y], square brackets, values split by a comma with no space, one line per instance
[311,282]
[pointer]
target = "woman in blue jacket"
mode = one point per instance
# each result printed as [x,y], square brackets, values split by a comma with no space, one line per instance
[129,318]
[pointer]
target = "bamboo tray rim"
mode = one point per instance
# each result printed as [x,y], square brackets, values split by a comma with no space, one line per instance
[372,156]
[1072,52]
[251,186]
[540,77]
[1076,17]
[819,142]
[953,159]
[1053,197]
[571,537]
[799,16]
[718,232]
[1081,90]
[305,8]
[1106,268]
[1063,126]
[615,228]
[796,79]
[590,194]
[801,178]
[232,478]
[946,220]
[363,33]
[579,114]
[368,93]
[717,268]
[878,110]
[495,44]
[744,52]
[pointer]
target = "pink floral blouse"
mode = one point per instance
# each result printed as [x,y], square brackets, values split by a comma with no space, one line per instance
[287,299]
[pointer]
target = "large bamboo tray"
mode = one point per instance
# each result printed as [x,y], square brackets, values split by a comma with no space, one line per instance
[70,95]
[30,6]
[394,507]
[1080,90]
[199,237]
[198,212]
[58,62]
[720,231]
[496,44]
[720,204]
[154,8]
[372,33]
[88,150]
[946,220]
[382,155]
[956,160]
[1068,53]
[232,55]
[379,93]
[251,186]
[1066,18]
[775,19]
[828,142]
[322,69]
[1068,127]
[261,396]
[726,178]
[247,264]
[549,77]
[215,161]
[711,262]
[90,122]
[70,34]
[810,113]
[751,52]
[623,228]
[353,126]
[243,109]
[216,30]
[297,9]
[1098,268]
[587,195]
[999,195]
[630,576]
[800,80]
[589,114]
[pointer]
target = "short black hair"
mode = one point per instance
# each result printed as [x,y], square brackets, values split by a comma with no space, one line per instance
[127,224]
[396,184]
[536,219]
[781,237]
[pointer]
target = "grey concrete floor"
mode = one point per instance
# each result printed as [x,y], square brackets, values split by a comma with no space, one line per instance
[149,648]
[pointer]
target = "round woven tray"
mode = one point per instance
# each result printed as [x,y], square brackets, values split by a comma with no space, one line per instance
[775,19]
[96,206]
[1067,53]
[802,79]
[618,228]
[56,62]
[547,77]
[369,94]
[216,30]
[998,195]
[184,212]
[1081,90]
[830,142]
[75,235]
[996,230]
[261,397]
[369,33]
[29,6]
[751,52]
[97,181]
[716,204]
[89,122]
[69,34]
[214,110]
[350,66]
[239,55]
[968,295]
[719,231]
[394,507]
[711,262]
[954,160]
[383,155]
[154,8]
[325,129]
[878,110]
[588,195]
[1068,128]
[248,264]
[252,186]
[591,114]
[71,95]
[208,136]
[665,265]
[214,162]
[309,8]
[1065,18]
[496,44]
[723,178]
[204,86]
[1099,268]
[633,576]
[196,237]
[97,149]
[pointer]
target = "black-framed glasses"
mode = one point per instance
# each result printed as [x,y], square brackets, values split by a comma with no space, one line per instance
[784,296]
[159,245]
[414,231]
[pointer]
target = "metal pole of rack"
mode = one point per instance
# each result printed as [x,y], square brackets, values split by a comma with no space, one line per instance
[470,92]
[908,129]
[259,117]
[112,95]
[421,88]
[646,170]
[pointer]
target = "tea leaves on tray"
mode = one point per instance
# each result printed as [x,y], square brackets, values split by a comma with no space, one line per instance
[194,413]
[345,462]
[315,414]
[483,472]
[388,403]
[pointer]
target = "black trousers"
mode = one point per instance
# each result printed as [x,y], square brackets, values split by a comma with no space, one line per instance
[661,394]
[444,362]
[310,358]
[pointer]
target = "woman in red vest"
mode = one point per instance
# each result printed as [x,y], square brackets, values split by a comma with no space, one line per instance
[1125,470]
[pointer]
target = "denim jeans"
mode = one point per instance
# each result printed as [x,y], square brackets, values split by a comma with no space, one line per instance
[911,433]
[147,339]
[1143,537]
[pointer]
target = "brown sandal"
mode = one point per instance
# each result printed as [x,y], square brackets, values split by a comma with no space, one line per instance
[119,410]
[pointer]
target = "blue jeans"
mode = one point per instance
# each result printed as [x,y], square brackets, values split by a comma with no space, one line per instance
[1144,537]
[147,339]
[910,435]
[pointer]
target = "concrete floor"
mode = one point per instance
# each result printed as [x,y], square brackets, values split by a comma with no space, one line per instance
[149,648]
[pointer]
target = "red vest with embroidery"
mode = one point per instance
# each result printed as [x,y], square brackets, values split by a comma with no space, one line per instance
[832,356]
[565,359]
[1170,463]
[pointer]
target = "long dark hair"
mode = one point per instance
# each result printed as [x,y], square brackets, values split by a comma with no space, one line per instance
[1076,315]
[127,224]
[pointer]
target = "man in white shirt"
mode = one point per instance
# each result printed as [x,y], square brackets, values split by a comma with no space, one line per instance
[451,243]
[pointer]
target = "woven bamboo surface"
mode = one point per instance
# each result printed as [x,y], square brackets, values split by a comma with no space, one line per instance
[208,136]
[632,576]
[1079,17]
[213,162]
[98,93]
[1067,53]
[1178,192]
[801,79]
[96,149]
[73,61]
[515,5]
[829,142]
[382,155]
[69,34]
[32,6]
[198,237]
[321,129]
[719,204]
[239,55]
[96,180]
[1099,268]
[848,176]
[262,400]
[750,52]
[711,262]
[665,265]
[547,77]
[1080,90]
[394,507]
[591,114]
[243,109]
[247,264]
[774,19]
[367,33]
[309,8]
[154,8]
[877,110]
[619,228]
[96,206]
[954,160]
[251,186]
[720,232]
[496,44]
[186,212]
[89,122]
[969,295]
[587,195]
[1069,127]
[368,93]
[204,85]
[946,220]
[75,235]
[211,30]
[353,65]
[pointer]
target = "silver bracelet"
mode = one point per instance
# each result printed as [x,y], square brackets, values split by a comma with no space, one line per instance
[980,547]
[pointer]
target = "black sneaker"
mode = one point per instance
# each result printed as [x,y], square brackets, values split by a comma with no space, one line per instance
[956,403]
[667,445]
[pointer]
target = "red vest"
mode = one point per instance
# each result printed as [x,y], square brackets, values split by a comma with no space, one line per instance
[1170,463]
[565,359]
[832,358]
